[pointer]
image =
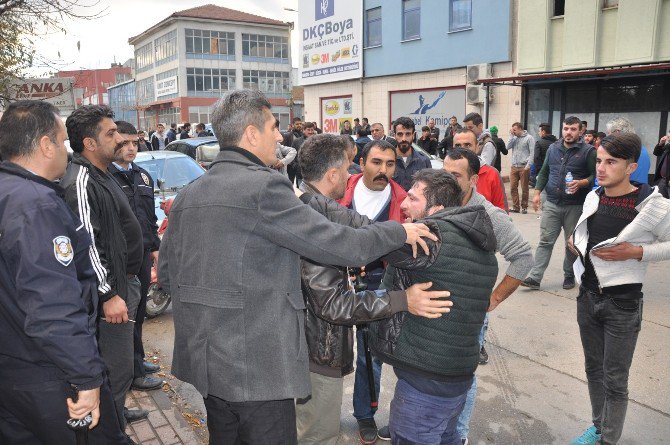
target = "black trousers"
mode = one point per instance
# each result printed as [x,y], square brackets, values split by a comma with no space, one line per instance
[35,414]
[294,173]
[138,348]
[251,423]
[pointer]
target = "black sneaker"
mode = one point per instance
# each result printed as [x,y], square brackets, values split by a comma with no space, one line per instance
[524,211]
[569,283]
[384,433]
[367,431]
[530,283]
[483,356]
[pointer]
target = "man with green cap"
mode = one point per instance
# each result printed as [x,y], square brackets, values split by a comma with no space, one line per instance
[501,149]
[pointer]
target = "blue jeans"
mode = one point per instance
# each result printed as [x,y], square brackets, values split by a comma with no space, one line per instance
[463,427]
[423,419]
[608,326]
[361,399]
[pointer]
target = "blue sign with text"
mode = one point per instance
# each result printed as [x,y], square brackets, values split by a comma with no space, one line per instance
[323,9]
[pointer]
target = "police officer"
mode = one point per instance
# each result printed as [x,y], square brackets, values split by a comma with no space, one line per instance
[138,186]
[50,367]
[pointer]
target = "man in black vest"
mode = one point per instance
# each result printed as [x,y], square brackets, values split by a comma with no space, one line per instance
[435,362]
[569,155]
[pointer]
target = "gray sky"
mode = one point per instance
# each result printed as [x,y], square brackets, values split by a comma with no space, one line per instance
[105,39]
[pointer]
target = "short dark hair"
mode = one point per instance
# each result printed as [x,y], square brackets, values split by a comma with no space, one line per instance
[124,127]
[349,142]
[362,132]
[383,145]
[405,122]
[365,119]
[297,119]
[601,135]
[22,126]
[425,128]
[320,153]
[593,133]
[441,188]
[84,122]
[309,125]
[475,118]
[626,146]
[518,125]
[545,127]
[187,124]
[474,165]
[357,119]
[200,125]
[235,111]
[584,124]
[173,125]
[572,120]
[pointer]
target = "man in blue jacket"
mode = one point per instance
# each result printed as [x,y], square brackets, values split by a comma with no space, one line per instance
[50,367]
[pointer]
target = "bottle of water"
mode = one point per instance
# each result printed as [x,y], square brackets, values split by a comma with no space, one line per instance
[568,179]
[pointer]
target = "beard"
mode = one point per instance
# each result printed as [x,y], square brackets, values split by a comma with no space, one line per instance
[404,147]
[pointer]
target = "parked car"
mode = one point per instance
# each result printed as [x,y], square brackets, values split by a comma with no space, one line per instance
[171,171]
[203,150]
[435,161]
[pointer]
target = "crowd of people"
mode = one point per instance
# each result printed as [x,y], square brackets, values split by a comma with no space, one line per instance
[321,244]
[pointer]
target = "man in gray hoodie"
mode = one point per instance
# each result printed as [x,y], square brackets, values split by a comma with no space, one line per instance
[521,145]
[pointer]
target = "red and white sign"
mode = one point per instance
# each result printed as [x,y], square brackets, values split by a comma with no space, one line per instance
[334,111]
[58,91]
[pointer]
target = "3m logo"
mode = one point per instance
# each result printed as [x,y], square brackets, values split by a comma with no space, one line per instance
[323,9]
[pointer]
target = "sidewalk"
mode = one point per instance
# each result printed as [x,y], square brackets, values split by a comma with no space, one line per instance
[171,420]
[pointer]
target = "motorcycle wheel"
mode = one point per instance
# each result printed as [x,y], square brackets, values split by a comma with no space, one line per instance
[158,300]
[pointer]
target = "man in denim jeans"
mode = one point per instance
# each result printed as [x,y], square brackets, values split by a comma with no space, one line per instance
[624,226]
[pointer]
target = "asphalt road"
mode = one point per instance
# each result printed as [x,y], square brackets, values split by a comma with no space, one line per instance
[533,390]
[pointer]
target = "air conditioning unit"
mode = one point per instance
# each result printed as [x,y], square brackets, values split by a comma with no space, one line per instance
[480,71]
[475,94]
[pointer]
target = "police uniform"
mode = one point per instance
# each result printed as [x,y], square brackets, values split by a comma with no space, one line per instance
[48,309]
[138,185]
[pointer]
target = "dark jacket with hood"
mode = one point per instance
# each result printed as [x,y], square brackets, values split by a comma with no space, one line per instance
[88,193]
[445,348]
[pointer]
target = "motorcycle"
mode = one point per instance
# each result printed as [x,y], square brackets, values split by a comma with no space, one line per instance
[159,299]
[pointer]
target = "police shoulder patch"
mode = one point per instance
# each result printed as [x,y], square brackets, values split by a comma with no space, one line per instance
[63,250]
[145,178]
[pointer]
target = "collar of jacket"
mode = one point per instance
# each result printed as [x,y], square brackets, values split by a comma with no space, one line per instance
[309,188]
[247,154]
[398,195]
[15,169]
[80,159]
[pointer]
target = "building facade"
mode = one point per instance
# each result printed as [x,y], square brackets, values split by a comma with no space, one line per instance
[187,61]
[123,102]
[94,83]
[417,55]
[595,59]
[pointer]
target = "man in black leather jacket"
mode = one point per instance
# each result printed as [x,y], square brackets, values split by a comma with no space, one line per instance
[333,306]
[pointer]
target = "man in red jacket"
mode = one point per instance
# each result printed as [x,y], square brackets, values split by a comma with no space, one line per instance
[374,194]
[489,182]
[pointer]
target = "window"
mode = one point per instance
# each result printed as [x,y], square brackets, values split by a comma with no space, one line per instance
[272,47]
[200,114]
[166,47]
[169,115]
[559,8]
[145,90]
[199,41]
[610,3]
[411,19]
[460,15]
[373,27]
[209,81]
[144,58]
[275,82]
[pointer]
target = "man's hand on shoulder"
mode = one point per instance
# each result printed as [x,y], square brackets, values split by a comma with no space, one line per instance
[414,233]
[425,303]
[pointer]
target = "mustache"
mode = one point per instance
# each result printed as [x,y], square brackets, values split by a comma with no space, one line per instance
[381,177]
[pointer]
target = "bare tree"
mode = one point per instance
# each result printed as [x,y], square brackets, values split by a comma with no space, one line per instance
[21,21]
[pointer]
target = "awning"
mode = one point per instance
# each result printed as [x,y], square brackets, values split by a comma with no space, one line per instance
[635,70]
